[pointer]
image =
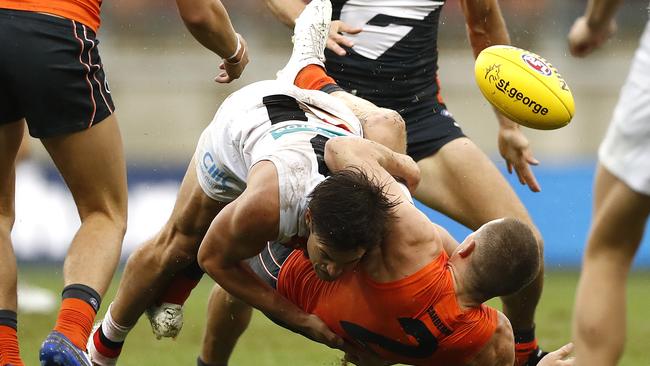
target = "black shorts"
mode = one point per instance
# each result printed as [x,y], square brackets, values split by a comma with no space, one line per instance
[428,128]
[50,74]
[268,263]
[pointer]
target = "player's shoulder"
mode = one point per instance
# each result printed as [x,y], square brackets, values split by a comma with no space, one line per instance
[499,349]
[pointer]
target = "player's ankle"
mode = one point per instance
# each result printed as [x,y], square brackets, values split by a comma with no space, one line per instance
[77,314]
[111,330]
[525,345]
[313,77]
[9,351]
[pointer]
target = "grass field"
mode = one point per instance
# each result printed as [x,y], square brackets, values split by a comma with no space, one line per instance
[267,344]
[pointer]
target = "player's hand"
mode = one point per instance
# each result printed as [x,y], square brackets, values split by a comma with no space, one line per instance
[234,67]
[316,330]
[337,41]
[559,357]
[515,149]
[409,171]
[585,38]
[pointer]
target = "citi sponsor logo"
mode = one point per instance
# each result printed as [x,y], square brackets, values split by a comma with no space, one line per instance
[219,177]
[537,64]
[517,96]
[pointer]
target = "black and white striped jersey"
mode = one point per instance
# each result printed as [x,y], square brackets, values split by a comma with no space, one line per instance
[394,59]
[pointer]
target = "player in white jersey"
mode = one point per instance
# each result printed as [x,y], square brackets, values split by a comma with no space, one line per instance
[621,197]
[284,125]
[258,175]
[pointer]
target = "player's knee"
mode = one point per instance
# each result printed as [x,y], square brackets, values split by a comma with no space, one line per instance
[110,220]
[6,224]
[388,119]
[386,127]
[595,334]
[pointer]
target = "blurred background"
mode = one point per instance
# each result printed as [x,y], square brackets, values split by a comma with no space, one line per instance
[161,81]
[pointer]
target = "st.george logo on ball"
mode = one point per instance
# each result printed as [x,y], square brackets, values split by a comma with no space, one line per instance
[524,87]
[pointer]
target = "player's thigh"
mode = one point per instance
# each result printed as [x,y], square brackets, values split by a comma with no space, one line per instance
[617,206]
[461,182]
[11,135]
[92,164]
[194,210]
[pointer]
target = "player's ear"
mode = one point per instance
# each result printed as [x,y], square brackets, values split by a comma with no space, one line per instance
[468,249]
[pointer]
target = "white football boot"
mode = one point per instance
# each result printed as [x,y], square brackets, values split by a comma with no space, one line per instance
[166,320]
[310,36]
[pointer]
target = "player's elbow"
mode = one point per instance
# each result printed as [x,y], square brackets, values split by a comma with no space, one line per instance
[341,152]
[197,16]
[194,20]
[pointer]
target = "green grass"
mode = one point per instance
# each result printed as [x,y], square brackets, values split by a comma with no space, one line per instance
[264,343]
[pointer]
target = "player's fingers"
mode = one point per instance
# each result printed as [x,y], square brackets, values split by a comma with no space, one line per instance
[222,66]
[342,41]
[527,177]
[334,47]
[565,350]
[349,29]
[509,166]
[531,160]
[223,78]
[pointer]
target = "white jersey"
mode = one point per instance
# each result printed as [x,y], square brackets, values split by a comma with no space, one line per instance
[278,122]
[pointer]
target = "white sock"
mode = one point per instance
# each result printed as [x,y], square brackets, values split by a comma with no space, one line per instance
[112,330]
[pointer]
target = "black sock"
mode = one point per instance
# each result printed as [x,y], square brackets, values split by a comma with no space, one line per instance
[9,318]
[83,292]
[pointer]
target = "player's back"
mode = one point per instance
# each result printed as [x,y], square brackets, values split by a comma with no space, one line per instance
[415,320]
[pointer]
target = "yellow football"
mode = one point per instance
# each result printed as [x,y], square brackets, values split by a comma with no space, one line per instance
[524,87]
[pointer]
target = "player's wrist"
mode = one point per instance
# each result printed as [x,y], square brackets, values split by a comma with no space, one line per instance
[598,24]
[238,54]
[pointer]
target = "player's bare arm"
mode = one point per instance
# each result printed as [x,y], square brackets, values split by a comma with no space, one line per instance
[449,244]
[209,23]
[288,10]
[486,27]
[594,28]
[499,351]
[240,231]
[374,158]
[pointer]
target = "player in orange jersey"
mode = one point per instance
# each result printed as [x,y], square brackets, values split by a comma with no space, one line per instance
[387,53]
[52,81]
[417,298]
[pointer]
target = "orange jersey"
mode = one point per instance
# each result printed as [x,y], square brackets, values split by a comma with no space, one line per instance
[83,11]
[415,320]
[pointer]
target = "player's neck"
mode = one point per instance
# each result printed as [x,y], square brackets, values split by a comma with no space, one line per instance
[465,295]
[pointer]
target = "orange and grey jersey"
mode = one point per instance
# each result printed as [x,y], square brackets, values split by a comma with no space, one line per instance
[277,122]
[394,58]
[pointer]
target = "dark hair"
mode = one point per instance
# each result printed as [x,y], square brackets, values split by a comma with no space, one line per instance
[349,210]
[507,258]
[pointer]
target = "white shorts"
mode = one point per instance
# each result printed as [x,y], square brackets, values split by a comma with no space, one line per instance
[625,151]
